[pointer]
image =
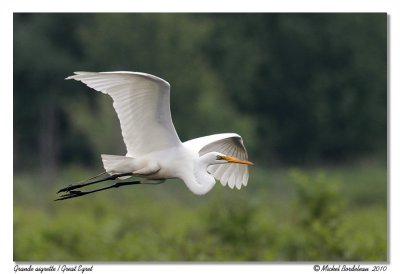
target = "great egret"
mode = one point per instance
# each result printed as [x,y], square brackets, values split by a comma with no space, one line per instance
[154,150]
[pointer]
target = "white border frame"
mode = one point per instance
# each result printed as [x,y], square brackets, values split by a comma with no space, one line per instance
[6,77]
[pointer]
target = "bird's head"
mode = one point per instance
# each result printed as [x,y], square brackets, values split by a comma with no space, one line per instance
[214,158]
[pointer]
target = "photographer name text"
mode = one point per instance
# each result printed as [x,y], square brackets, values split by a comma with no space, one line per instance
[334,268]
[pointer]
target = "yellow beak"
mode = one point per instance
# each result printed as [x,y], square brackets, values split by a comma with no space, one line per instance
[232,159]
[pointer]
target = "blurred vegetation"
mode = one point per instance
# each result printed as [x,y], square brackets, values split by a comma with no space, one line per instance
[302,215]
[307,92]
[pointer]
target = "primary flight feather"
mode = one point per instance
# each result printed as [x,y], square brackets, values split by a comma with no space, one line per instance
[154,150]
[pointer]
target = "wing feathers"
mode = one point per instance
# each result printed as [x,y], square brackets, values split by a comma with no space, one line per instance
[142,105]
[233,175]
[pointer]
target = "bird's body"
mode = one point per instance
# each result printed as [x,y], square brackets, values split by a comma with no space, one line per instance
[154,150]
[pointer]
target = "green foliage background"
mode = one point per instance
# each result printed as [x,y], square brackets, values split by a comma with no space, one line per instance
[307,92]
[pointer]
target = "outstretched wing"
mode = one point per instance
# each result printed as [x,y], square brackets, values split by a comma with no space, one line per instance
[142,105]
[231,144]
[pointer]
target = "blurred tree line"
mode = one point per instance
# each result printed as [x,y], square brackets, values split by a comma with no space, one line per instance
[300,88]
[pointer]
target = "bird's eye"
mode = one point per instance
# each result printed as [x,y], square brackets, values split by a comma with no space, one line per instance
[219,157]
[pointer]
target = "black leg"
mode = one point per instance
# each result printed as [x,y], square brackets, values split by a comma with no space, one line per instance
[78,193]
[79,185]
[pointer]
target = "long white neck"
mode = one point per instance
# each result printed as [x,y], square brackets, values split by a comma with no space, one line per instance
[201,182]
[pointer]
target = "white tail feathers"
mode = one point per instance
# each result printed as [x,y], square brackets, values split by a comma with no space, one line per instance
[116,164]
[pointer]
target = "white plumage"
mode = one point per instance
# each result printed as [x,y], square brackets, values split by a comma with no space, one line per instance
[154,150]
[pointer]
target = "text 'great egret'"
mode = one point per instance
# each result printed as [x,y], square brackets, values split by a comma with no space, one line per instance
[154,150]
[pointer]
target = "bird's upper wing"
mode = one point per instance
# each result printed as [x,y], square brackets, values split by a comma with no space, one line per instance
[142,105]
[230,144]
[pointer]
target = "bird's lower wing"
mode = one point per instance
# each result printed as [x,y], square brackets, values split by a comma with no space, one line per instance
[233,175]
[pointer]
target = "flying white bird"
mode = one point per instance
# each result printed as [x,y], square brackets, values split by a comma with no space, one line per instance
[154,150]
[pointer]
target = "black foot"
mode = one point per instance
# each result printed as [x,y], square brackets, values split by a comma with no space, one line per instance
[71,194]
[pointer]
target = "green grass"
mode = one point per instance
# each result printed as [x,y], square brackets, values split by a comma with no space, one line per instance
[317,214]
